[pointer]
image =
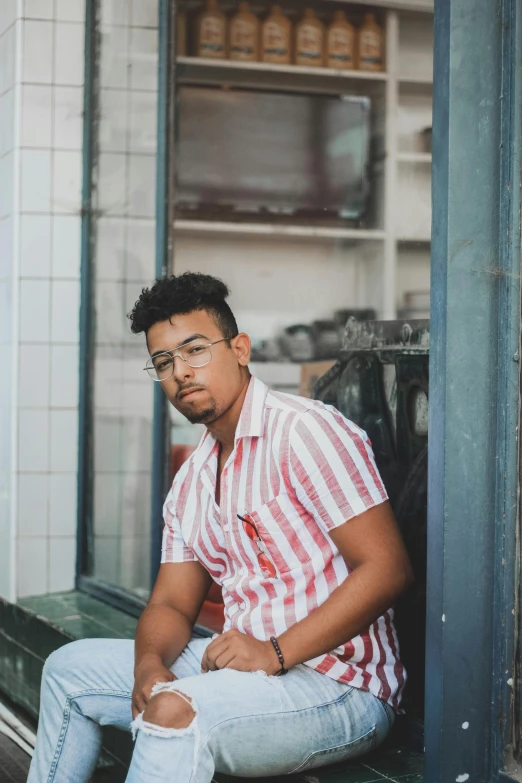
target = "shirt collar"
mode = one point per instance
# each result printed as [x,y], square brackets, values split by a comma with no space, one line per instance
[250,424]
[251,420]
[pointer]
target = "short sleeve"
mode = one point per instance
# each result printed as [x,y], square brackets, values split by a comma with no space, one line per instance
[332,468]
[174,548]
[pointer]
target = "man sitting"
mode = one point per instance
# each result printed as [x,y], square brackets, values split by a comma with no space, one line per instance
[282,505]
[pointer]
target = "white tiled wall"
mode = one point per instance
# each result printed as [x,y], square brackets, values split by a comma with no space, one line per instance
[284,281]
[8,308]
[41,116]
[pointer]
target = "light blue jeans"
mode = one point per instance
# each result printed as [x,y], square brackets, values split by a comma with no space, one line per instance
[246,724]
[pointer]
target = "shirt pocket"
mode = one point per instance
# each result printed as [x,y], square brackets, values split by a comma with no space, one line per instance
[280,533]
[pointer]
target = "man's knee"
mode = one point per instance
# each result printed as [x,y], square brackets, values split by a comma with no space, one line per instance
[78,662]
[170,710]
[63,659]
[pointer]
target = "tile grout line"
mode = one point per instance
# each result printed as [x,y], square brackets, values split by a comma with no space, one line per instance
[51,294]
[385,777]
[16,287]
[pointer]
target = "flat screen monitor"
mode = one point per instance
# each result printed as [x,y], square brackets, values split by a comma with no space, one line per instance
[242,152]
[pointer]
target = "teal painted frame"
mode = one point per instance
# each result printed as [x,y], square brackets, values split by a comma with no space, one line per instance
[161,436]
[85,442]
[506,595]
[474,390]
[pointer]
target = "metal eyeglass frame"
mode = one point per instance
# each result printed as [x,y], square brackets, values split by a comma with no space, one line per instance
[173,355]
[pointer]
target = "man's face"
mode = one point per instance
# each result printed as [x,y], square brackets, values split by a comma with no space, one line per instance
[202,394]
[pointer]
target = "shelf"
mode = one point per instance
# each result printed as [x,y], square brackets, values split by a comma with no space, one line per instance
[414,157]
[275,230]
[416,83]
[284,373]
[414,241]
[197,70]
[396,5]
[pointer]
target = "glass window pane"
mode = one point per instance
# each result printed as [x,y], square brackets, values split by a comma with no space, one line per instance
[307,190]
[124,262]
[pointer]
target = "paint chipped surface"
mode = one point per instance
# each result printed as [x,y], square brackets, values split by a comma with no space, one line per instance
[465,725]
[510,682]
[462,778]
[443,618]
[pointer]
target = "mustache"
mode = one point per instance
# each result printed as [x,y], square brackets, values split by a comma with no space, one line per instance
[188,388]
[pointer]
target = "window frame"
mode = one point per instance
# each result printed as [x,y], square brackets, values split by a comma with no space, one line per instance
[112,594]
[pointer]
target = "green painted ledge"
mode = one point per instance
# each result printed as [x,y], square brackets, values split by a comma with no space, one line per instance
[33,628]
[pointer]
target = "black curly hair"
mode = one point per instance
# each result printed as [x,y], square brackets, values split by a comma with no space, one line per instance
[182,294]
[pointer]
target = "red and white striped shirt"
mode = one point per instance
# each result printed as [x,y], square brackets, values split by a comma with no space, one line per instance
[299,469]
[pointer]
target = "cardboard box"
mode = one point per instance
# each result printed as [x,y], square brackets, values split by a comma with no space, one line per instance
[310,374]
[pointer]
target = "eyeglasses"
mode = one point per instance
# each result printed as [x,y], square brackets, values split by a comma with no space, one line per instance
[266,565]
[195,354]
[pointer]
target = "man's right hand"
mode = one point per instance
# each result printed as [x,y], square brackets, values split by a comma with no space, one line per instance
[165,626]
[147,673]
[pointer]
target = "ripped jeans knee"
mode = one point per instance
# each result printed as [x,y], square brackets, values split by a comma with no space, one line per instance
[167,732]
[149,729]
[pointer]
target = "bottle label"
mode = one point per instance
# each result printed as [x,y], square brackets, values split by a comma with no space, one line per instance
[340,46]
[309,42]
[211,37]
[242,38]
[275,39]
[370,47]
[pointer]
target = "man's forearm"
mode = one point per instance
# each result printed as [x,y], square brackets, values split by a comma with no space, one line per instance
[163,633]
[349,611]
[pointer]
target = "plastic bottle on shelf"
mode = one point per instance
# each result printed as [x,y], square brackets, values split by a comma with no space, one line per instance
[181,33]
[276,37]
[340,43]
[211,32]
[370,45]
[244,35]
[309,40]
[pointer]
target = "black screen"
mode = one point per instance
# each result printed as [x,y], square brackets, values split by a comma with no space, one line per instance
[255,152]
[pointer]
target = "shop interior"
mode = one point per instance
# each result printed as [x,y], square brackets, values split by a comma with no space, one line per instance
[305,184]
[307,188]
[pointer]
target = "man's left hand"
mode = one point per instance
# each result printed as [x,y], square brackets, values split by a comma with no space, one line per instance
[235,650]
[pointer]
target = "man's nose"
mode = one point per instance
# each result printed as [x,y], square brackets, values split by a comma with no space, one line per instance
[182,371]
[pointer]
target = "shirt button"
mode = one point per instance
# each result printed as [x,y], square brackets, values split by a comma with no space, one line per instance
[226,528]
[242,605]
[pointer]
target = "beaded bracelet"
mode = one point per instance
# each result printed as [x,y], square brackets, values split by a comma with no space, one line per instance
[279,655]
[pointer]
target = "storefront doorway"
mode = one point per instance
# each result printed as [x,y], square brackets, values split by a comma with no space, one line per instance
[183,176]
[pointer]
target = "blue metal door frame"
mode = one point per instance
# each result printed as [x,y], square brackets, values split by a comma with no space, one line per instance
[474,389]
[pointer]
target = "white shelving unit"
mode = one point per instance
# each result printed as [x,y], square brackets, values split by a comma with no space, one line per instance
[412,204]
[199,69]
[395,5]
[415,80]
[414,157]
[276,230]
[378,260]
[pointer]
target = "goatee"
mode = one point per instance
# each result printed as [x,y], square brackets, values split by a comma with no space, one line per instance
[202,417]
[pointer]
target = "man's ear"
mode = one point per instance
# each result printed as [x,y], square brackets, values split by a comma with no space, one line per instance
[241,346]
